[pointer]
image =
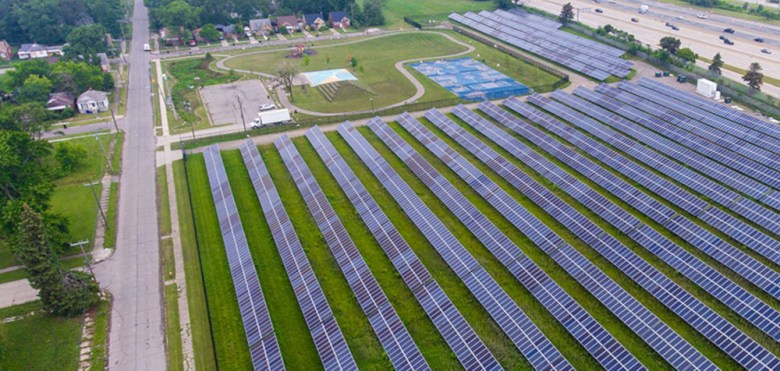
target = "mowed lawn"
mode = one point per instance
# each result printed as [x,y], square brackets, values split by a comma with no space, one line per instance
[395,10]
[376,58]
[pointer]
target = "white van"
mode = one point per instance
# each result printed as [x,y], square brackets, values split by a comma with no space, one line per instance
[147,48]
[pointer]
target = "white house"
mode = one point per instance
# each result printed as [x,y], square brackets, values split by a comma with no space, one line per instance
[28,51]
[92,101]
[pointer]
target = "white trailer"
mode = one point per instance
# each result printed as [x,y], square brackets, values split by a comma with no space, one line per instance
[279,116]
[643,9]
[706,88]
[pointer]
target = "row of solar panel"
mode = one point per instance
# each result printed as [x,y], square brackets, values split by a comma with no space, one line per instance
[395,339]
[741,118]
[537,349]
[263,347]
[607,351]
[537,21]
[468,348]
[735,343]
[677,171]
[728,292]
[326,333]
[673,348]
[505,34]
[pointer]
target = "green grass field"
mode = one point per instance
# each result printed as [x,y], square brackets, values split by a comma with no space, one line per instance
[396,10]
[77,203]
[40,341]
[111,215]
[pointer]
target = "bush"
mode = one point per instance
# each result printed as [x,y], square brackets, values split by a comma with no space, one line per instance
[69,157]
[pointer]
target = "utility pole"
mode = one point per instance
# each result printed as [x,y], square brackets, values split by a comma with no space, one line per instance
[114,119]
[241,110]
[97,201]
[105,155]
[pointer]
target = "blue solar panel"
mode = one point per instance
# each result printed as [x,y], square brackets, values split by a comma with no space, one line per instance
[725,290]
[331,346]
[702,318]
[539,351]
[401,349]
[599,343]
[468,348]
[673,348]
[263,347]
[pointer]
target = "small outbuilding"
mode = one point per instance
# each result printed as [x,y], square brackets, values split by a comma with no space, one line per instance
[706,88]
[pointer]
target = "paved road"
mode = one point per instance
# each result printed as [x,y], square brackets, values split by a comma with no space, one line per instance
[132,274]
[83,129]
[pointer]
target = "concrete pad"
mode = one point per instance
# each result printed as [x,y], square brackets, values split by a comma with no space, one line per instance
[222,102]
[16,292]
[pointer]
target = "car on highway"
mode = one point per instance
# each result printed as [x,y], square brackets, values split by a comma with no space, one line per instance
[675,28]
[758,40]
[635,20]
[668,24]
[722,37]
[728,42]
[729,30]
[680,17]
[598,10]
[766,51]
[701,16]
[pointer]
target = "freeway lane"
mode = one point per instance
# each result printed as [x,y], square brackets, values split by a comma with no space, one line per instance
[132,274]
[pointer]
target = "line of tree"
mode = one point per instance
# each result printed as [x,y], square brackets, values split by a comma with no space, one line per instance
[51,21]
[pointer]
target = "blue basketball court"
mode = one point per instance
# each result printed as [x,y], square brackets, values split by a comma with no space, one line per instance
[328,76]
[471,80]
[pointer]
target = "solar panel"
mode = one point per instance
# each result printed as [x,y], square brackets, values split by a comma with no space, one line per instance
[399,346]
[469,349]
[331,346]
[680,173]
[669,345]
[722,288]
[537,349]
[722,333]
[596,340]
[263,347]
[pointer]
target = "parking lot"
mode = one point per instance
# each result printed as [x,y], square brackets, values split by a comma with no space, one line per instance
[222,101]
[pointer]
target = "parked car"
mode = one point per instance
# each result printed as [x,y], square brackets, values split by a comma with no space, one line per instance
[766,51]
[267,107]
[635,20]
[758,40]
[729,30]
[675,28]
[193,42]
[728,42]
[598,10]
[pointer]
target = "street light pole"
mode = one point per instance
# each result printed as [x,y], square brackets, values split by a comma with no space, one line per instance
[102,214]
[241,110]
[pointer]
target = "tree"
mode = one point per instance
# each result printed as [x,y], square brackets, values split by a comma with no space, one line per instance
[717,63]
[35,89]
[209,32]
[503,4]
[687,55]
[753,77]
[24,69]
[85,42]
[287,72]
[69,156]
[178,14]
[567,14]
[62,292]
[30,118]
[372,13]
[670,44]
[353,62]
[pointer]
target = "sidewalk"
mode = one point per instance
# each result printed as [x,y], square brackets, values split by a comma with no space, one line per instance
[16,292]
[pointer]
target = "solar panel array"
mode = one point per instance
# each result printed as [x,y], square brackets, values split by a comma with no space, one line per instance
[673,348]
[263,347]
[585,56]
[469,349]
[722,333]
[539,351]
[712,281]
[398,344]
[328,339]
[599,343]
[679,172]
[664,188]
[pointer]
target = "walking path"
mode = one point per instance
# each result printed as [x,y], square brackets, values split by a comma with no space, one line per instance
[16,292]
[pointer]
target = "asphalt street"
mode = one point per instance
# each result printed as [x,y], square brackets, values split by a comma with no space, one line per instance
[132,274]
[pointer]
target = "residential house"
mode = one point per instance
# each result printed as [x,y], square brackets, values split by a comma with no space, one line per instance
[288,21]
[5,51]
[261,26]
[34,51]
[313,21]
[93,101]
[105,64]
[338,19]
[60,101]
[169,38]
[228,30]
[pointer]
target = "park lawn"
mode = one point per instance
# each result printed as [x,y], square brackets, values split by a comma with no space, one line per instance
[363,343]
[665,314]
[40,341]
[295,341]
[184,77]
[203,348]
[395,10]
[376,59]
[431,344]
[230,346]
[77,203]
[484,326]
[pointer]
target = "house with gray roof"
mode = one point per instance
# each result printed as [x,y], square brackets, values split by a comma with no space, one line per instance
[92,101]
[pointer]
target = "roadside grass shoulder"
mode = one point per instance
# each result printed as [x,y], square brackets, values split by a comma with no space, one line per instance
[39,341]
